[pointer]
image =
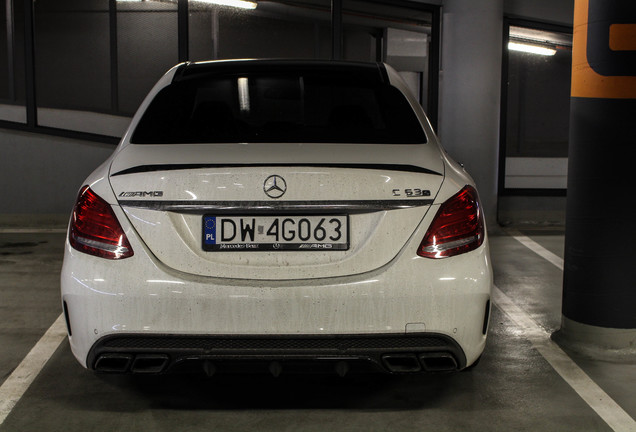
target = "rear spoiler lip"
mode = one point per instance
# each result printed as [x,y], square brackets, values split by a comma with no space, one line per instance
[277,207]
[175,167]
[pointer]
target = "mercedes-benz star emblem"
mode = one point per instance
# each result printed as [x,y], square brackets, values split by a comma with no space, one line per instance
[275,186]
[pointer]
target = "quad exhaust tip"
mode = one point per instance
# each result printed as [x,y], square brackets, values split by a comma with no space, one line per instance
[118,363]
[427,362]
[139,364]
[402,363]
[149,363]
[438,362]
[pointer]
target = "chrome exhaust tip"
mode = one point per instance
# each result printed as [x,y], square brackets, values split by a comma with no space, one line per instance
[113,363]
[149,363]
[401,363]
[438,362]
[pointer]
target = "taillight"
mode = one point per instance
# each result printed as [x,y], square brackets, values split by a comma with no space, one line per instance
[458,227]
[95,229]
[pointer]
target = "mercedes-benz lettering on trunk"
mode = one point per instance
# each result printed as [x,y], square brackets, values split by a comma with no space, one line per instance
[282,212]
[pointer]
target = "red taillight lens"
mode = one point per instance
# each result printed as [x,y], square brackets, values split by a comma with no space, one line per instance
[458,227]
[95,229]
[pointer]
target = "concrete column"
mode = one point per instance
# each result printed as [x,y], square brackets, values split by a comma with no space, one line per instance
[470,92]
[599,292]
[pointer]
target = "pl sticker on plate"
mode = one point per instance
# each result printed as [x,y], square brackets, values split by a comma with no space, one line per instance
[209,230]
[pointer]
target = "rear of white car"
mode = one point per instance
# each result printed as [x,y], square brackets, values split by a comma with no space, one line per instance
[281,213]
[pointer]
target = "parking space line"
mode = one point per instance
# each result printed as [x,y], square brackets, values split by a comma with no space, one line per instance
[588,390]
[21,378]
[537,248]
[32,230]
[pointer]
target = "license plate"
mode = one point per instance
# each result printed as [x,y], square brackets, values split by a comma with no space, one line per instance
[275,233]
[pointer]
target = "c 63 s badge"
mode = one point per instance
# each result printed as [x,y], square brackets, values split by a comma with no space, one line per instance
[412,193]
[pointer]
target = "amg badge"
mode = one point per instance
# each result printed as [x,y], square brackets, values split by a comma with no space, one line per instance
[141,194]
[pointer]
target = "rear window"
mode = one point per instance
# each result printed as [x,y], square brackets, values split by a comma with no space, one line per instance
[258,108]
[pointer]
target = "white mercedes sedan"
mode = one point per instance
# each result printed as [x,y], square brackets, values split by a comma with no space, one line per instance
[281,216]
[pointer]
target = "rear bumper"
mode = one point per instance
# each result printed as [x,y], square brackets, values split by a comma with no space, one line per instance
[138,353]
[122,308]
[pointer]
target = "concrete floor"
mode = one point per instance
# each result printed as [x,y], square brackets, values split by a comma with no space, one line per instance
[513,388]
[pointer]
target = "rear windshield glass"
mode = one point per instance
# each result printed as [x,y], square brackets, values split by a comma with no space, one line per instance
[258,108]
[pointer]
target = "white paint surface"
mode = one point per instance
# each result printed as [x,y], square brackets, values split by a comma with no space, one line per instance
[19,381]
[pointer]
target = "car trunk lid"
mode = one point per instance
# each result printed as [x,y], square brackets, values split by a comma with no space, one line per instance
[168,191]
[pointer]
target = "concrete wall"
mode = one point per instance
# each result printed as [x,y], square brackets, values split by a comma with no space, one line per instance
[41,174]
[470,91]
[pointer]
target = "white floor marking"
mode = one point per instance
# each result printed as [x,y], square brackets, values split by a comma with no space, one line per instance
[32,230]
[588,390]
[537,248]
[21,378]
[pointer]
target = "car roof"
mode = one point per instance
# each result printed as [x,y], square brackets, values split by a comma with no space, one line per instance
[361,70]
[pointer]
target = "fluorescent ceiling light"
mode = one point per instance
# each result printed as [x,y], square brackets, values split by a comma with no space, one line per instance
[232,3]
[244,95]
[244,4]
[533,49]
